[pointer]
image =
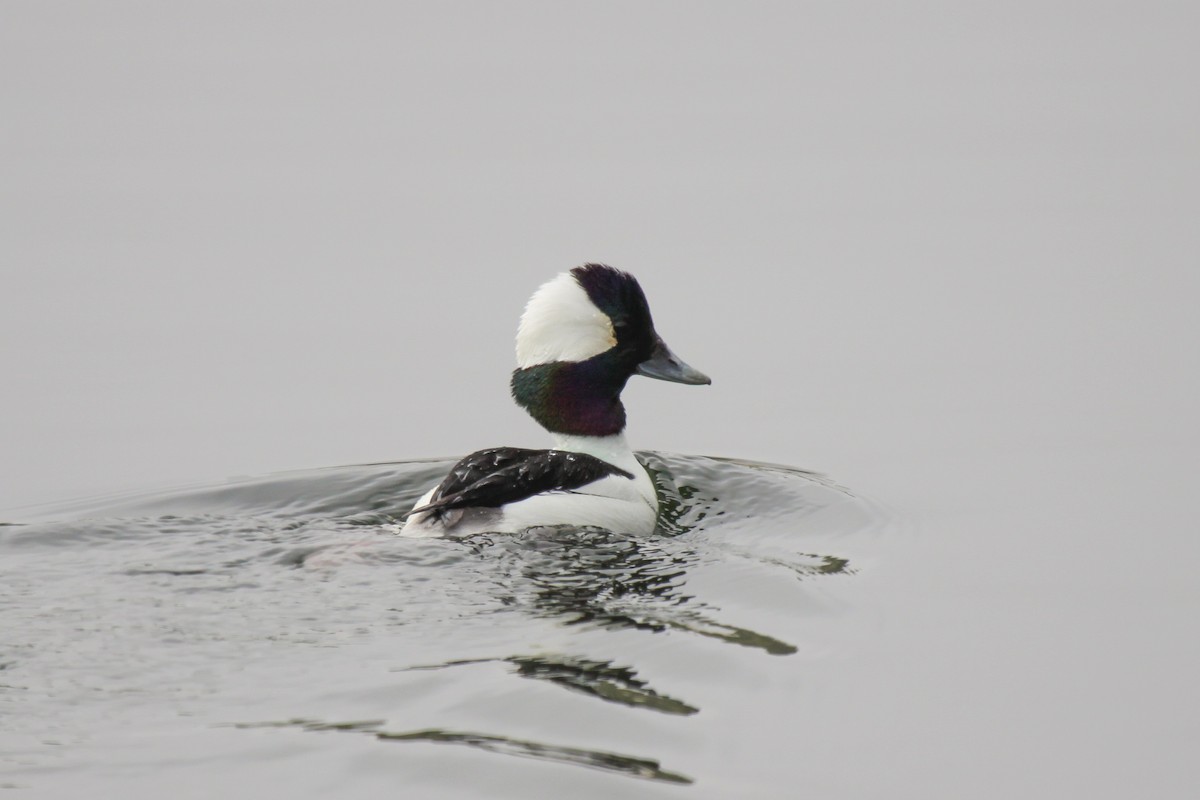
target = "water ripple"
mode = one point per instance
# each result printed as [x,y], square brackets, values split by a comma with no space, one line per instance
[293,592]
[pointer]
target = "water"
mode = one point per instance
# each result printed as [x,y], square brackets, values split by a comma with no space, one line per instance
[277,631]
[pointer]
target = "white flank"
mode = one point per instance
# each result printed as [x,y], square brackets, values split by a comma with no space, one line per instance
[616,451]
[561,323]
[614,502]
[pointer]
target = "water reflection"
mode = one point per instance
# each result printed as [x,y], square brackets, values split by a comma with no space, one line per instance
[594,577]
[597,759]
[600,679]
[246,573]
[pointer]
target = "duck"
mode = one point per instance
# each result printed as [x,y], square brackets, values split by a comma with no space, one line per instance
[582,336]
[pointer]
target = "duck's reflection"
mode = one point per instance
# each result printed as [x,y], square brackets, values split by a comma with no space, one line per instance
[631,766]
[602,679]
[590,576]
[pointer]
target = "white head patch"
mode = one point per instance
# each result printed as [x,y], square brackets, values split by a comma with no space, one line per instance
[561,323]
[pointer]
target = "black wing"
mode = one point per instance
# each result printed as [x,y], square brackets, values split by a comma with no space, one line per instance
[492,478]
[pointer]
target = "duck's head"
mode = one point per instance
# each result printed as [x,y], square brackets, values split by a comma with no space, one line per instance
[582,336]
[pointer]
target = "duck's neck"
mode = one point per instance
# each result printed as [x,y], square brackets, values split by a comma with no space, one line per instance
[612,449]
[576,399]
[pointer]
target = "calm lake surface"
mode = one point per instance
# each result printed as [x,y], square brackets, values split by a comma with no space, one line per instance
[779,636]
[217,637]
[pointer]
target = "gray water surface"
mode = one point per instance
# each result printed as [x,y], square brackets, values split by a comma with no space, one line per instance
[251,631]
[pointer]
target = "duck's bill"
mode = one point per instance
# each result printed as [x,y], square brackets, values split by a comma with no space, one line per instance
[666,366]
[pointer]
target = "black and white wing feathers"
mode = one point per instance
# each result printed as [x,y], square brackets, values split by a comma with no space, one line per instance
[502,475]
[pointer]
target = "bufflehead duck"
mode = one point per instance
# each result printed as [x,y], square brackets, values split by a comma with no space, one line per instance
[582,336]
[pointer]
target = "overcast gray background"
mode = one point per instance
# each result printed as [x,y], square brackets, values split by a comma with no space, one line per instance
[248,237]
[945,252]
